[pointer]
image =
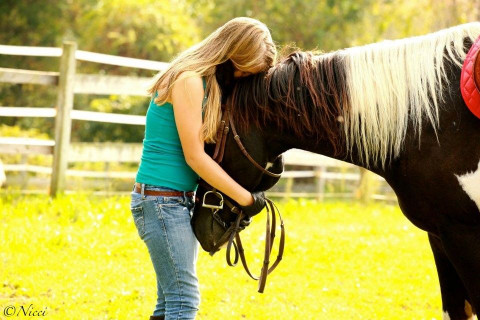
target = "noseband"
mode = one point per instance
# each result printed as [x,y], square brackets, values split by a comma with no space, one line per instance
[232,229]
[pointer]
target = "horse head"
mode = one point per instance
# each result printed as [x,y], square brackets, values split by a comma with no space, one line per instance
[210,221]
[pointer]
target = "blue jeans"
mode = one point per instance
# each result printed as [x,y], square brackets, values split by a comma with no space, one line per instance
[163,223]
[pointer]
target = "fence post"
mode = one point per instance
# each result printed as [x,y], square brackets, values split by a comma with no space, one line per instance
[24,173]
[63,121]
[3,177]
[367,186]
[319,182]
[288,187]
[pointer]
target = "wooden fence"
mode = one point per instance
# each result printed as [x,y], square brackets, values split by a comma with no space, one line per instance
[69,83]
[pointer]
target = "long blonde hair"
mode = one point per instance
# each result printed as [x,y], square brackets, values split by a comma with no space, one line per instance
[245,41]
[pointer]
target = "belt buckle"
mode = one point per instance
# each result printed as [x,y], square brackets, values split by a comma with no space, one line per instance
[213,206]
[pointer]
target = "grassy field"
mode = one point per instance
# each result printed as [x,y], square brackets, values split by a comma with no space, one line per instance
[79,257]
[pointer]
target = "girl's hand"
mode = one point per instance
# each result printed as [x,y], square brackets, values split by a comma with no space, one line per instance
[257,205]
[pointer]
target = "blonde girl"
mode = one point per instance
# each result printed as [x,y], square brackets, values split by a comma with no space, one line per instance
[184,112]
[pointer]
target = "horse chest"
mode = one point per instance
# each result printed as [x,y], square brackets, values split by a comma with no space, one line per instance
[434,183]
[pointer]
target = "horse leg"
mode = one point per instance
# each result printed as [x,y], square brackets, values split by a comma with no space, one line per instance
[455,301]
[461,242]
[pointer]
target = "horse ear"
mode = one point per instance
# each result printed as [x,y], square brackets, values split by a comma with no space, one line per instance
[267,181]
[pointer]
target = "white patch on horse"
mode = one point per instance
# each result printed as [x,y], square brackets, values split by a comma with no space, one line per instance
[469,311]
[269,165]
[470,316]
[470,183]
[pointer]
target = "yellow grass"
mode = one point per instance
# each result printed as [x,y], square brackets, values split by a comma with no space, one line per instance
[79,257]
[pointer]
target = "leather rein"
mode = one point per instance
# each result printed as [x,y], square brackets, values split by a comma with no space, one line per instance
[232,231]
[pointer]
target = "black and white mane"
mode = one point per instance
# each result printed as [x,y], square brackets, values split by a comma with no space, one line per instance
[374,92]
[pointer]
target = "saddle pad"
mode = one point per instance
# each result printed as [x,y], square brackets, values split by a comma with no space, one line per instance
[470,79]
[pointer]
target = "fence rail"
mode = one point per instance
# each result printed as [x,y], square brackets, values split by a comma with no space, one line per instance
[75,115]
[83,83]
[83,56]
[131,152]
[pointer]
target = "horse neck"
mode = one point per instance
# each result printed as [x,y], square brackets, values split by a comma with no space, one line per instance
[279,142]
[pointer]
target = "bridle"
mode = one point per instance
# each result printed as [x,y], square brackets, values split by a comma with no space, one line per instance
[232,232]
[222,138]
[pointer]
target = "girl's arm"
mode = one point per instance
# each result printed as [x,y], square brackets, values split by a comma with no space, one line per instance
[187,96]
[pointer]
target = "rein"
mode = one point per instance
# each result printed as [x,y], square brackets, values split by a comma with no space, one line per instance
[231,235]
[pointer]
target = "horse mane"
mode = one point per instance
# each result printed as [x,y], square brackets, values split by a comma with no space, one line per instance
[377,89]
[284,97]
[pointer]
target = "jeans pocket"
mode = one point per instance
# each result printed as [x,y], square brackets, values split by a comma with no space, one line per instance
[177,213]
[135,199]
[139,220]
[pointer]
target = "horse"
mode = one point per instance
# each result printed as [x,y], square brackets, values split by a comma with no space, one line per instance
[395,108]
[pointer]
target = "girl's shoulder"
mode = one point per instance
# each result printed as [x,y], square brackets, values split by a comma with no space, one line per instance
[189,83]
[190,77]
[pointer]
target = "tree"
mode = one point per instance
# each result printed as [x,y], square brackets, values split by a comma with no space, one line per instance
[308,24]
[148,29]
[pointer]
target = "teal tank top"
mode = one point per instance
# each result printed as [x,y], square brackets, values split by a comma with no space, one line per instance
[163,162]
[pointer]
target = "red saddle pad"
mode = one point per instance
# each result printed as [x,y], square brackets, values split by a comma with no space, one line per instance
[469,88]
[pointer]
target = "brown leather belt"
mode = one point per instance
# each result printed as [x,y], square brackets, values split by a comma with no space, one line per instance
[138,189]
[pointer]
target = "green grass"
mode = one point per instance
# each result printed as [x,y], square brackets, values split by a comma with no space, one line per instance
[80,258]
